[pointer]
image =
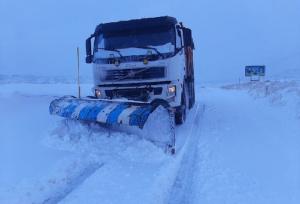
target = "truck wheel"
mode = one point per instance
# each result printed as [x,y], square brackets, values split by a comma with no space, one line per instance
[180,115]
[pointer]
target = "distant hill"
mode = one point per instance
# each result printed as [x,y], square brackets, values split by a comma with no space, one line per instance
[32,79]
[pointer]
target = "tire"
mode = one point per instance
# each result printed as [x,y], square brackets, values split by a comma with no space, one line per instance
[180,115]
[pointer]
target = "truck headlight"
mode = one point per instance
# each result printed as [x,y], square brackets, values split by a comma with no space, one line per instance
[117,62]
[171,90]
[97,93]
[145,61]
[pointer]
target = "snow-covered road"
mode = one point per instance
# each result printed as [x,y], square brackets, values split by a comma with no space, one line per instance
[236,148]
[248,151]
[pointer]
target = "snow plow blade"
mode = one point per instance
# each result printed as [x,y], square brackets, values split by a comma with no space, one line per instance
[115,112]
[102,111]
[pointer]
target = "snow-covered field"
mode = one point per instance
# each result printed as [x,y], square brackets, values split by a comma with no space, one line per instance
[240,144]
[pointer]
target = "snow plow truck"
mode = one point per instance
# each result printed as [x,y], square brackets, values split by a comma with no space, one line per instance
[138,65]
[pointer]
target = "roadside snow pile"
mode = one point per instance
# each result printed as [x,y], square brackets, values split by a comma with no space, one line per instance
[277,92]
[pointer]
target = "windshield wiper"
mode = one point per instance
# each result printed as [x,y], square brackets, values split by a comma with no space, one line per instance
[111,49]
[151,48]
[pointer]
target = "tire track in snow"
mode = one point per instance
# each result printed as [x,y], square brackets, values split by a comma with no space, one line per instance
[72,184]
[182,185]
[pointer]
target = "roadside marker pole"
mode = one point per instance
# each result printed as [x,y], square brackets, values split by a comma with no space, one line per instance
[78,82]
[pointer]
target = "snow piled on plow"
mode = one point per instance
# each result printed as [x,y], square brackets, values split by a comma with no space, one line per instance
[158,127]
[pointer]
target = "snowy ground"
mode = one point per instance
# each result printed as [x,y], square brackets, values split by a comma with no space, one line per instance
[240,144]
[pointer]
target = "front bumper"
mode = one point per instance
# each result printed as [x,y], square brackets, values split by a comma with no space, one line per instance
[145,92]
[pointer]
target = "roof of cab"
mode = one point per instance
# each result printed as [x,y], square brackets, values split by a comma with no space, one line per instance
[135,24]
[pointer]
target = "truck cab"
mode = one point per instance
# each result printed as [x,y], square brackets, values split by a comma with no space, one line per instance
[147,60]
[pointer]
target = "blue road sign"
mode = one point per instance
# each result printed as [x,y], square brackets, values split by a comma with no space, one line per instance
[255,71]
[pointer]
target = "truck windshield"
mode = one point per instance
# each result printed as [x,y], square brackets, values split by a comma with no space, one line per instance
[161,39]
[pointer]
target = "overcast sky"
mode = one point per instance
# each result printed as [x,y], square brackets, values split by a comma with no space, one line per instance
[40,37]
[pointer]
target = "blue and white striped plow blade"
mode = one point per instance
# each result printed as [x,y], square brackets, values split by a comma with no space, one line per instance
[102,111]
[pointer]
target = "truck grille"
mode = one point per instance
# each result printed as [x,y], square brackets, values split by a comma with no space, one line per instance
[130,74]
[139,94]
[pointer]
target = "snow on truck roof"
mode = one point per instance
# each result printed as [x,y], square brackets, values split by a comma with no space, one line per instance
[163,21]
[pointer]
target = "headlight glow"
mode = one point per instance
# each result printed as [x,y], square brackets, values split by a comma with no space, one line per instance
[117,62]
[171,90]
[97,93]
[145,61]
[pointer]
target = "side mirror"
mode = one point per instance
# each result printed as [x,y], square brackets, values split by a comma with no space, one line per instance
[178,30]
[89,59]
[88,48]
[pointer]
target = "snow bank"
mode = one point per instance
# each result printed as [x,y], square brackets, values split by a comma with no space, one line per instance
[249,146]
[280,92]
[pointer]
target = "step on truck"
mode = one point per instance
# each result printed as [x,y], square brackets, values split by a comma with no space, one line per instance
[138,65]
